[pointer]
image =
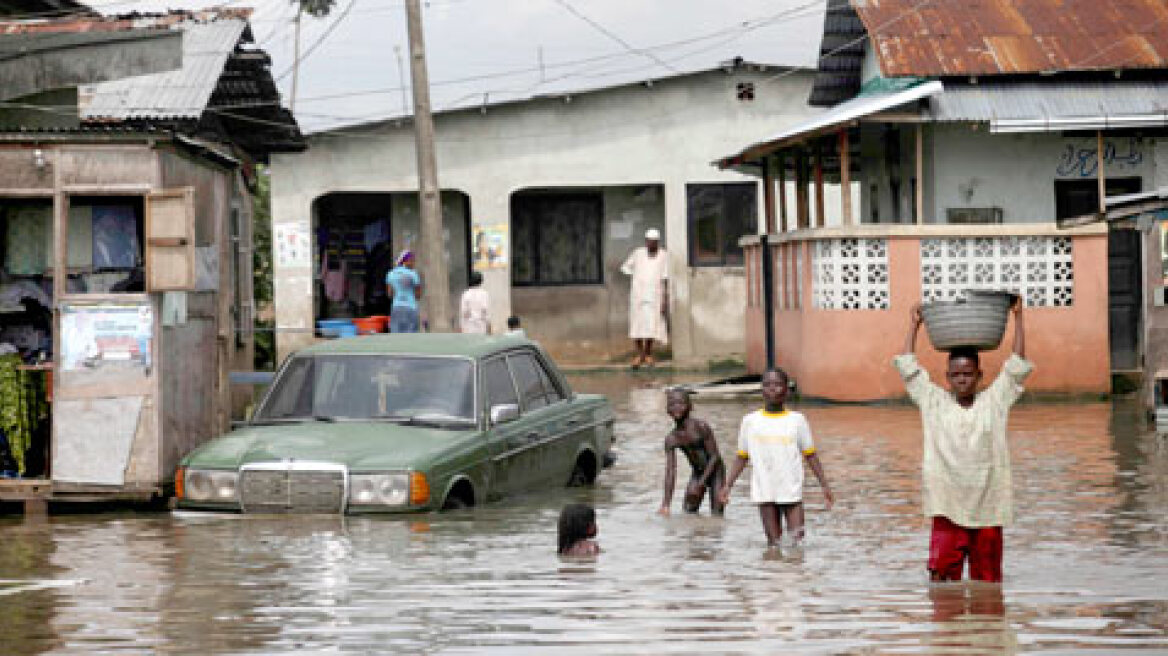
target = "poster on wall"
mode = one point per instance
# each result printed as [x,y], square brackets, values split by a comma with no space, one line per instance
[106,336]
[489,246]
[293,247]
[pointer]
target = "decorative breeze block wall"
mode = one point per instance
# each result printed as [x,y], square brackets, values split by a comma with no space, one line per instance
[1041,269]
[850,274]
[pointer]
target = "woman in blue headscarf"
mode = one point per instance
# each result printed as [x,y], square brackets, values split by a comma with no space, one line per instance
[404,286]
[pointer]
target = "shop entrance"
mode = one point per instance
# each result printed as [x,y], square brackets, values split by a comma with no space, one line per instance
[358,236]
[103,257]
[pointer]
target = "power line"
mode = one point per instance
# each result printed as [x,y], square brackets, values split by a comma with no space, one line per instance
[860,39]
[610,34]
[324,35]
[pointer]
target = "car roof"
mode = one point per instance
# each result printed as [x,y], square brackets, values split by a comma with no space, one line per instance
[430,344]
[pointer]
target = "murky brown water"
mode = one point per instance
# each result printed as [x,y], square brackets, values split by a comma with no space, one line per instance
[1086,564]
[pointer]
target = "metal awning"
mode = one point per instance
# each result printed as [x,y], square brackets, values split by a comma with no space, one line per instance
[1053,105]
[841,115]
[1123,207]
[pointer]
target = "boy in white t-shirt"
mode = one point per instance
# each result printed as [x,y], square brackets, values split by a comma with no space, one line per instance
[776,441]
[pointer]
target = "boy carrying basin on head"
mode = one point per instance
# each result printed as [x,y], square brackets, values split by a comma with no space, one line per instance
[966,467]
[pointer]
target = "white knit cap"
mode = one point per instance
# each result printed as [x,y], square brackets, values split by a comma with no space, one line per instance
[653,234]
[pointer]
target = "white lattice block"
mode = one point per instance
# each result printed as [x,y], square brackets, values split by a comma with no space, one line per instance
[850,274]
[1040,269]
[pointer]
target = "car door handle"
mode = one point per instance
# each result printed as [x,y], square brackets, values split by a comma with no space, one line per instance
[573,421]
[533,436]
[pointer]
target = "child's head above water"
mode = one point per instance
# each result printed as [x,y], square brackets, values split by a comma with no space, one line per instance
[963,372]
[577,522]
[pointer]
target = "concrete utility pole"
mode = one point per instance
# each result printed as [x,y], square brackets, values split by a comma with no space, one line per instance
[431,253]
[296,60]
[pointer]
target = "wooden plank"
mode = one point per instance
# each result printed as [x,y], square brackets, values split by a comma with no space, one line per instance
[19,489]
[170,240]
[768,194]
[1100,174]
[802,201]
[845,176]
[783,190]
[820,212]
[919,199]
[142,386]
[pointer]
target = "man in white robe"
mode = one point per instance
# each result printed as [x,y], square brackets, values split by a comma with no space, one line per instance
[648,297]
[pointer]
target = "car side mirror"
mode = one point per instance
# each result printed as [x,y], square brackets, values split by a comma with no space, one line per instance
[503,413]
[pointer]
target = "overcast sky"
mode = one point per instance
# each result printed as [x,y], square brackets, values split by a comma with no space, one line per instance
[351,73]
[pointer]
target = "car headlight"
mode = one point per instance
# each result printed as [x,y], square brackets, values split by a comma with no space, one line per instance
[379,489]
[209,485]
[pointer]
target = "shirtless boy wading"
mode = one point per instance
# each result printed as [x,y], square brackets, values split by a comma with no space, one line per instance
[694,438]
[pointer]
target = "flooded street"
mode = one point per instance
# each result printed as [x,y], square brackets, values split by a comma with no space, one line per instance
[1086,564]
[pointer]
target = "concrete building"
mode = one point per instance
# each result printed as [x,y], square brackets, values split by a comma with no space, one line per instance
[547,195]
[969,148]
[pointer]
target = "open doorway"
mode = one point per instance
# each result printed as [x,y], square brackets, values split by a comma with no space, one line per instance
[1124,266]
[357,238]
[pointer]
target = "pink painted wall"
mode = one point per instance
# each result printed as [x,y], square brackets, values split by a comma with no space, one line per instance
[845,355]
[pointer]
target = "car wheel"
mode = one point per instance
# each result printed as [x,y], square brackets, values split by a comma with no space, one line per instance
[454,503]
[584,472]
[461,496]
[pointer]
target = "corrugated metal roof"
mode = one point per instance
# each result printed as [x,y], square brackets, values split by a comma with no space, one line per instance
[840,115]
[1049,100]
[183,93]
[989,37]
[566,89]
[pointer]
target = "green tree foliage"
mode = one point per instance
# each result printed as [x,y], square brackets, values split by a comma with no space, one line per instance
[265,336]
[315,8]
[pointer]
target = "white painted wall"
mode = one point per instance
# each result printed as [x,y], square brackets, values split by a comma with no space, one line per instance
[967,166]
[667,133]
[973,168]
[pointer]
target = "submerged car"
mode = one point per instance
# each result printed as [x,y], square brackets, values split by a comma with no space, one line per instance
[402,423]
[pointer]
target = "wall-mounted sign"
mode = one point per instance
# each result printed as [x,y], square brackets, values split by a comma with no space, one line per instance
[106,336]
[293,246]
[489,246]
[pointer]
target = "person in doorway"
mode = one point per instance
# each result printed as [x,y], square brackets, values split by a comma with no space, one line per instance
[377,268]
[648,266]
[775,441]
[694,438]
[475,308]
[577,532]
[404,287]
[966,466]
[513,327]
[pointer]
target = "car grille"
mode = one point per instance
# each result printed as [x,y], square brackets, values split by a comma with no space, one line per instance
[287,490]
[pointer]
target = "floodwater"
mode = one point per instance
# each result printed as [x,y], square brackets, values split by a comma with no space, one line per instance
[1086,563]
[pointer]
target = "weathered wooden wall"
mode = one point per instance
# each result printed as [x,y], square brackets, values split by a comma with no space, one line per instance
[185,398]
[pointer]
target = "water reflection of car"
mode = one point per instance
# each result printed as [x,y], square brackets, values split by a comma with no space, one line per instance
[398,423]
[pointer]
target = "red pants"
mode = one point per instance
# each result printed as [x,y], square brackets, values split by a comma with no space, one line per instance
[951,544]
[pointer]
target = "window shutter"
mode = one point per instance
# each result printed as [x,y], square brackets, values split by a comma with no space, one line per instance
[170,240]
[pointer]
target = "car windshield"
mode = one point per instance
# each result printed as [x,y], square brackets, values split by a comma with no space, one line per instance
[363,387]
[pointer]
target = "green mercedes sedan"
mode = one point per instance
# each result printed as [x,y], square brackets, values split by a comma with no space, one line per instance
[402,423]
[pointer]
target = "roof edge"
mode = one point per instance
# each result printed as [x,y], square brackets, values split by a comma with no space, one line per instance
[726,67]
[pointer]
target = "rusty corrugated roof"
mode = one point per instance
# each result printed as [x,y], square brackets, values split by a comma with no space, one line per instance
[992,37]
[135,21]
